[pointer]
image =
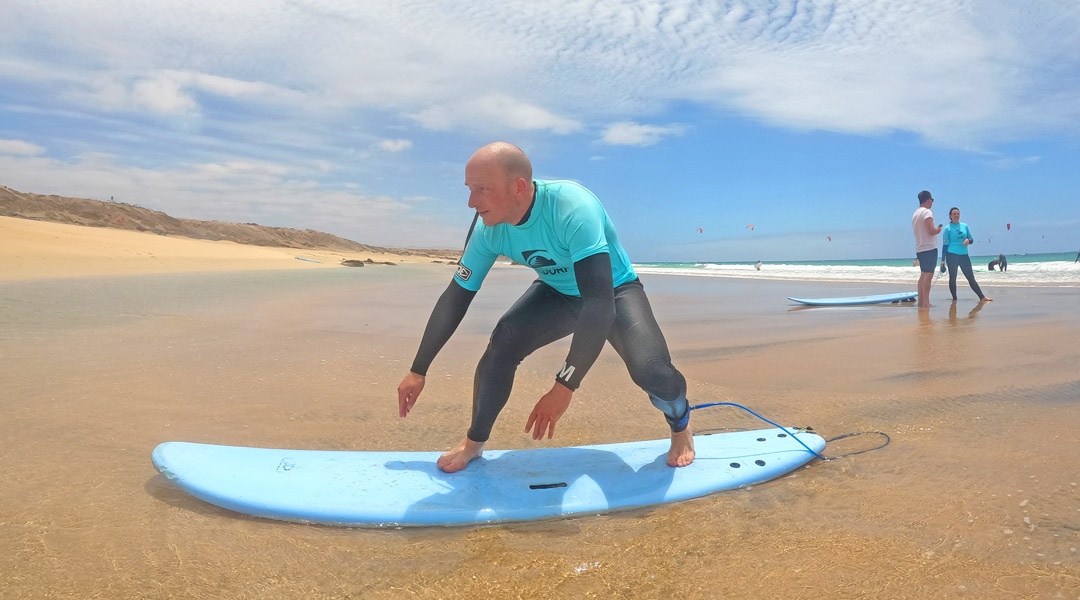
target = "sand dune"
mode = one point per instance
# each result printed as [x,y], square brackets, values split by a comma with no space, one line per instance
[55,236]
[39,250]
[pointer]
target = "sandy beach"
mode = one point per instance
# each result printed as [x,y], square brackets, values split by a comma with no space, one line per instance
[41,250]
[112,342]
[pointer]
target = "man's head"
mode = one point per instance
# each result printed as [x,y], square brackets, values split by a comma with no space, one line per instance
[925,199]
[499,178]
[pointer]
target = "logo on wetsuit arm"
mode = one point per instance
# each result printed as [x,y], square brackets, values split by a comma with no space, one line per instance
[464,272]
[539,260]
[566,373]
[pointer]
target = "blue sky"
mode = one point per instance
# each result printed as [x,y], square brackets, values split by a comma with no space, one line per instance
[806,119]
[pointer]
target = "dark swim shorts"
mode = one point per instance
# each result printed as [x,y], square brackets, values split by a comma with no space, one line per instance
[927,260]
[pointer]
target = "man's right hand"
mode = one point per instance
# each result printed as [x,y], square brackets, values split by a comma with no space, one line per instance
[408,391]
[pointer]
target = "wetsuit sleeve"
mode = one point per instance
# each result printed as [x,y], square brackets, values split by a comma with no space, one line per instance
[593,275]
[445,318]
[945,242]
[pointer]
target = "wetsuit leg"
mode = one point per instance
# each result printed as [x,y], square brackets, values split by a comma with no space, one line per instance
[541,316]
[951,260]
[637,338]
[965,265]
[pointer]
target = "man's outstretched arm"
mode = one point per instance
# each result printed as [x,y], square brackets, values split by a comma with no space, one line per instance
[444,320]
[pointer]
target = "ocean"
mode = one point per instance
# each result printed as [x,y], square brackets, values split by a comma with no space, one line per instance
[1053,269]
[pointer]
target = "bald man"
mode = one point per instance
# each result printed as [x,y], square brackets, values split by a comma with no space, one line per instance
[586,288]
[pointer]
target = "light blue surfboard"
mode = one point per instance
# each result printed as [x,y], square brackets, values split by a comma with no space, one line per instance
[901,297]
[407,488]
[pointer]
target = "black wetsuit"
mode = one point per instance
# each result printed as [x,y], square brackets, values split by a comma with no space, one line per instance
[619,314]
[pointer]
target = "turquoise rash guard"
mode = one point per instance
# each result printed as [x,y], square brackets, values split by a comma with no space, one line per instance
[952,239]
[567,223]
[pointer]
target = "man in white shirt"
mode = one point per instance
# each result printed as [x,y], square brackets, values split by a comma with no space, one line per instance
[922,222]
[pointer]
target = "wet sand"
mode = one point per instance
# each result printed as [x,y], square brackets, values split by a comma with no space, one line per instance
[976,496]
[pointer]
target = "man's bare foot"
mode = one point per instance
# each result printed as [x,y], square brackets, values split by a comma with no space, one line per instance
[458,458]
[682,448]
[986,300]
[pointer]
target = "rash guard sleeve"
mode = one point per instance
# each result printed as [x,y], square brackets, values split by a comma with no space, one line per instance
[444,320]
[594,280]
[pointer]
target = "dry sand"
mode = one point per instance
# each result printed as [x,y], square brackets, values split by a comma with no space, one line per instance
[39,249]
[976,496]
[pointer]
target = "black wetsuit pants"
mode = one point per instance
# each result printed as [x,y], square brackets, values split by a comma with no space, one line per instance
[964,262]
[542,316]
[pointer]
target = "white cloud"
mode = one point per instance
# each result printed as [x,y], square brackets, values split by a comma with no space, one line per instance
[494,111]
[938,69]
[516,114]
[19,147]
[1012,162]
[162,94]
[634,134]
[395,145]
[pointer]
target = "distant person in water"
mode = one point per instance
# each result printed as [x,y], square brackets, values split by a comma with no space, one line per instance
[922,223]
[954,254]
[1002,263]
[758,265]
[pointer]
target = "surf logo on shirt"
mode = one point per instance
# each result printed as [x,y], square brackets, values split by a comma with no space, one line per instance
[539,260]
[464,272]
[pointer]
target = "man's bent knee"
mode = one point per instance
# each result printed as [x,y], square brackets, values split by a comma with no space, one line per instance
[660,378]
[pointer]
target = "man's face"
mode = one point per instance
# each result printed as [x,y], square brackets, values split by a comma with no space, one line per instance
[490,191]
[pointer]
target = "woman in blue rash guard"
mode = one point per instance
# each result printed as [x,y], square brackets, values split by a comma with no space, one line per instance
[955,239]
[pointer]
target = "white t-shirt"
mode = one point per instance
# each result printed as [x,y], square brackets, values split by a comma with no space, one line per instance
[924,240]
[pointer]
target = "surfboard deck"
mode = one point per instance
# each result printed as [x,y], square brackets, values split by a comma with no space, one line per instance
[379,489]
[878,299]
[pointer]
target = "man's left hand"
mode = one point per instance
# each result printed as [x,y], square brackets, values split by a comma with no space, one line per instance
[548,410]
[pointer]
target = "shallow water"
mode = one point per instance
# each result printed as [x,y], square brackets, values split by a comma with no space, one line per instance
[1057,273]
[975,496]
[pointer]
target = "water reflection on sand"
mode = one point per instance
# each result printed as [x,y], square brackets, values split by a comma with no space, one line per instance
[976,496]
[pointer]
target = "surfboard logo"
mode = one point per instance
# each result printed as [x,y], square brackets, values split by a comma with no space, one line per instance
[537,259]
[463,272]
